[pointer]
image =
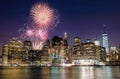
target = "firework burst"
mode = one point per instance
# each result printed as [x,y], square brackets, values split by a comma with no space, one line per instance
[43,16]
[36,36]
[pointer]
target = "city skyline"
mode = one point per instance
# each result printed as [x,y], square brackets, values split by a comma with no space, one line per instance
[78,18]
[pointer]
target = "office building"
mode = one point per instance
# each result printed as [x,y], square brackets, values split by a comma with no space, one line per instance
[105,42]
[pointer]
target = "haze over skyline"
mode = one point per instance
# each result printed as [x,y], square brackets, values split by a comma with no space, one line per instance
[81,18]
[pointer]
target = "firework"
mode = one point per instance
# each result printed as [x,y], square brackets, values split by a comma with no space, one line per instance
[37,36]
[37,45]
[29,32]
[42,34]
[43,16]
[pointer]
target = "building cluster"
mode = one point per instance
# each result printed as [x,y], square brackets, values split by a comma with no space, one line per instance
[57,51]
[15,51]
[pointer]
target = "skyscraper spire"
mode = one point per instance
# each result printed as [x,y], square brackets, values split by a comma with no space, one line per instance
[65,39]
[104,28]
[65,35]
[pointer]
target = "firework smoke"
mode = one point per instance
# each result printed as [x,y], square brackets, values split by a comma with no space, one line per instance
[43,18]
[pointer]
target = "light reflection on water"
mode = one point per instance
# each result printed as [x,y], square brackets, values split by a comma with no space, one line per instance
[82,72]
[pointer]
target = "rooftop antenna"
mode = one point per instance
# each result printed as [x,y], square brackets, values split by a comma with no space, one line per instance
[104,28]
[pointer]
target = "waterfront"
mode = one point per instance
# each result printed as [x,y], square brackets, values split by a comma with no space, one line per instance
[81,72]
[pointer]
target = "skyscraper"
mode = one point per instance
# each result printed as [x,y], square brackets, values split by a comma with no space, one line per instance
[97,42]
[105,42]
[76,40]
[65,39]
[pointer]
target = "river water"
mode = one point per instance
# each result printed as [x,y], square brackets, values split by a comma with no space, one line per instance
[81,72]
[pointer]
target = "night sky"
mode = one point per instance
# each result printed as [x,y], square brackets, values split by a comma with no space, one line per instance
[83,18]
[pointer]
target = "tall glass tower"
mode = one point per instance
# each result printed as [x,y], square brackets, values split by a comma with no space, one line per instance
[65,39]
[105,42]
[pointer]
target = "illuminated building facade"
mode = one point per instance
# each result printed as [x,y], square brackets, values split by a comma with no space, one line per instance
[54,52]
[27,46]
[15,52]
[47,47]
[114,57]
[101,54]
[12,52]
[34,56]
[76,52]
[59,49]
[76,41]
[87,53]
[105,42]
[45,56]
[97,42]
[5,54]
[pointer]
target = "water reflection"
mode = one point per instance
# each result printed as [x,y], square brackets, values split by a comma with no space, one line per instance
[82,72]
[109,74]
[63,73]
[33,73]
[10,73]
[86,72]
[55,73]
